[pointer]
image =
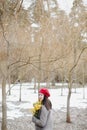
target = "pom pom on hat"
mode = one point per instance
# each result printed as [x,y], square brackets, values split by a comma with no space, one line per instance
[45,92]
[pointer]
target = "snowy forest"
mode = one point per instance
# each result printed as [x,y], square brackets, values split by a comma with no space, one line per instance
[42,44]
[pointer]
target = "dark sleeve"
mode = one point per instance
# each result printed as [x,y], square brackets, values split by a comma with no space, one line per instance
[43,117]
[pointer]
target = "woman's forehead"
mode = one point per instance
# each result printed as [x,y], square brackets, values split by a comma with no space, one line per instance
[41,94]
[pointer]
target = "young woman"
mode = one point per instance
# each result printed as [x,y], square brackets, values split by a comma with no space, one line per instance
[43,120]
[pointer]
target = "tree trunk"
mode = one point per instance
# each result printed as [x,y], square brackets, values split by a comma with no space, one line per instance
[4,106]
[34,85]
[20,91]
[83,82]
[9,84]
[39,80]
[68,119]
[62,90]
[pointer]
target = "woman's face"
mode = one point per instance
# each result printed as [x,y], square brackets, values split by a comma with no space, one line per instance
[41,96]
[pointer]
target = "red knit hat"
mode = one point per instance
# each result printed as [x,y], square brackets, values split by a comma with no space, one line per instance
[45,92]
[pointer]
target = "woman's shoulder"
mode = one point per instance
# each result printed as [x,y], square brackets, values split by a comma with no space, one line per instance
[44,108]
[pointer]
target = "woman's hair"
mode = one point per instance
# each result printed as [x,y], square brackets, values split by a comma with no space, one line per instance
[47,103]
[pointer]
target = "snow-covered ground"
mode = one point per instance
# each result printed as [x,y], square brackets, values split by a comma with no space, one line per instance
[15,108]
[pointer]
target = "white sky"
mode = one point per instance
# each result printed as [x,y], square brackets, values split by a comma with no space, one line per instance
[63,4]
[67,4]
[29,97]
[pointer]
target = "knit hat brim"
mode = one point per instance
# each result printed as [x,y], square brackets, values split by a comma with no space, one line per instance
[45,92]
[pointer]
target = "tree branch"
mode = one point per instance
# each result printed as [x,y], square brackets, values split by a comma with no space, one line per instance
[78,58]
